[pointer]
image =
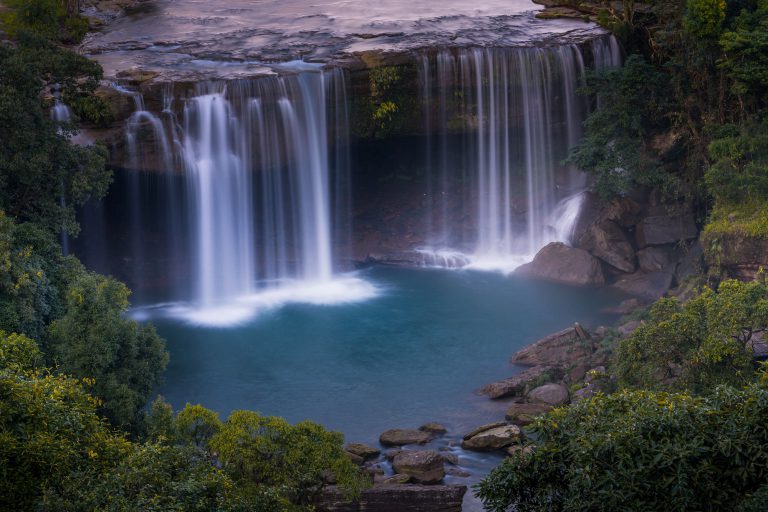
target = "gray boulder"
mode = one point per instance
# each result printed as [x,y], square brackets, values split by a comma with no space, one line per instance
[563,348]
[517,385]
[364,451]
[550,394]
[523,414]
[648,286]
[556,262]
[491,439]
[668,228]
[400,437]
[423,467]
[607,241]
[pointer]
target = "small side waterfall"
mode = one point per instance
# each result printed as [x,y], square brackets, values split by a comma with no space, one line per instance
[519,114]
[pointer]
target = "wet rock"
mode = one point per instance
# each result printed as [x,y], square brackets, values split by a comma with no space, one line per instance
[356,459]
[607,241]
[433,428]
[584,393]
[396,498]
[460,473]
[398,479]
[450,458]
[491,439]
[391,454]
[551,394]
[668,228]
[362,450]
[519,384]
[557,262]
[648,286]
[401,437]
[423,466]
[563,348]
[522,414]
[483,428]
[136,76]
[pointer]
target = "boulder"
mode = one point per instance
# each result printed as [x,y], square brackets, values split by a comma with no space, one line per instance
[400,437]
[361,450]
[628,328]
[523,414]
[654,258]
[648,286]
[551,394]
[607,241]
[423,466]
[395,498]
[556,262]
[460,473]
[433,428]
[563,348]
[397,479]
[483,428]
[519,384]
[666,228]
[691,262]
[356,459]
[492,439]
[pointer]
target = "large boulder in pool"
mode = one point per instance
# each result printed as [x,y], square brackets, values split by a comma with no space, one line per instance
[401,437]
[395,498]
[550,394]
[424,467]
[563,348]
[558,263]
[519,384]
[491,437]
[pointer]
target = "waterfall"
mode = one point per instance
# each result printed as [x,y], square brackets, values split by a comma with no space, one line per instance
[264,171]
[519,114]
[61,113]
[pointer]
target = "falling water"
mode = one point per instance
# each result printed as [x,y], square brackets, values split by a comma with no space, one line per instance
[61,113]
[265,173]
[520,113]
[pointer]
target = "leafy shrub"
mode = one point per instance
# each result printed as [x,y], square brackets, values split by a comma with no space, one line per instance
[641,451]
[697,345]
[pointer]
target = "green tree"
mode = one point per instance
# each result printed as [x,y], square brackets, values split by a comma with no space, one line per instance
[43,177]
[266,451]
[197,425]
[94,339]
[633,103]
[697,345]
[641,451]
[48,428]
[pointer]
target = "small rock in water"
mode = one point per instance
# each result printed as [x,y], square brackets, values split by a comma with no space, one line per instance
[356,459]
[450,458]
[433,428]
[483,428]
[391,454]
[424,467]
[458,472]
[493,439]
[397,479]
[400,437]
[362,450]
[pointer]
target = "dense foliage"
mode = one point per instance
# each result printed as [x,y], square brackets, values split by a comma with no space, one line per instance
[641,451]
[698,344]
[43,177]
